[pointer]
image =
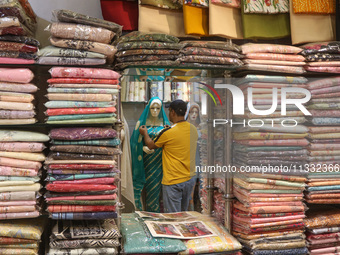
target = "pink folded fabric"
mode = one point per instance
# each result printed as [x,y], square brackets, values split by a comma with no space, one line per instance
[13,171]
[323,130]
[94,197]
[16,209]
[19,215]
[270,48]
[326,63]
[273,62]
[15,203]
[325,90]
[323,83]
[324,241]
[17,61]
[325,113]
[20,75]
[22,146]
[273,56]
[269,219]
[287,142]
[75,72]
[292,203]
[20,163]
[326,251]
[323,69]
[88,181]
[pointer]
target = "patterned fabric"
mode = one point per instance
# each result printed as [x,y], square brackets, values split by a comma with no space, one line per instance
[314,6]
[82,133]
[148,45]
[323,47]
[84,216]
[86,149]
[84,243]
[146,58]
[101,142]
[64,61]
[82,81]
[230,3]
[81,32]
[20,39]
[323,57]
[266,6]
[166,4]
[269,48]
[88,251]
[140,36]
[209,52]
[65,230]
[73,17]
[212,45]
[273,56]
[146,52]
[211,60]
[198,3]
[51,51]
[90,73]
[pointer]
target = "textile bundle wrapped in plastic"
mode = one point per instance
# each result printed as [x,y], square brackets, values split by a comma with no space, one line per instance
[138,239]
[82,173]
[143,49]
[323,231]
[16,96]
[21,236]
[84,237]
[82,96]
[210,54]
[79,40]
[268,214]
[324,152]
[21,157]
[18,25]
[273,58]
[322,57]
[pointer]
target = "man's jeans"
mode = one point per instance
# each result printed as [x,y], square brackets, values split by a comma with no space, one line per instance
[176,197]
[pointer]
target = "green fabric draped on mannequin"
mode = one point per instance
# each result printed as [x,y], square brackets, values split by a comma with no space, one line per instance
[147,168]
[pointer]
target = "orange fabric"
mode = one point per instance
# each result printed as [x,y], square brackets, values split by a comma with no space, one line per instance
[196,20]
[314,6]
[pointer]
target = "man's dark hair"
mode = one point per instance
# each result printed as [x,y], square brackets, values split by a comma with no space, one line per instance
[179,106]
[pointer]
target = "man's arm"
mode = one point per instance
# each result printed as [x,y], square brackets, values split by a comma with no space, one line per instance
[147,140]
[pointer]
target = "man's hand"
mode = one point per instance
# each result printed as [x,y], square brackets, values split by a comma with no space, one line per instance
[143,130]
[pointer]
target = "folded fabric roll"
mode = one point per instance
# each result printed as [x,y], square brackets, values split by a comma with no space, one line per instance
[23,155]
[148,45]
[12,171]
[51,51]
[82,198]
[15,87]
[269,48]
[211,60]
[14,46]
[105,180]
[87,251]
[73,177]
[146,58]
[6,114]
[275,56]
[84,216]
[73,72]
[209,52]
[276,68]
[77,104]
[32,187]
[323,69]
[68,172]
[101,142]
[64,61]
[66,111]
[82,81]
[84,243]
[19,163]
[18,196]
[106,49]
[77,188]
[83,90]
[80,166]
[20,75]
[266,136]
[17,54]
[73,17]
[20,39]
[86,149]
[80,208]
[273,62]
[81,32]
[82,202]
[80,97]
[16,106]
[80,117]
[82,133]
[65,85]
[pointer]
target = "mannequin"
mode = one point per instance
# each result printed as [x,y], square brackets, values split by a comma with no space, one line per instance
[147,164]
[194,117]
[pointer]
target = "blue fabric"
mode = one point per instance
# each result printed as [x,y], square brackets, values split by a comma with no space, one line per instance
[83,216]
[137,154]
[176,197]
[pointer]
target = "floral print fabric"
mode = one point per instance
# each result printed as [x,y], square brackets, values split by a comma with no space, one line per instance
[266,6]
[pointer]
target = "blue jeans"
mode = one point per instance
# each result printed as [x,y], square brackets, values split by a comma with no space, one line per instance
[176,197]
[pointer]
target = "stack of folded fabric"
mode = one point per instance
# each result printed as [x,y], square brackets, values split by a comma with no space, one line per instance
[271,179]
[82,96]
[82,170]
[17,26]
[16,96]
[322,57]
[273,58]
[210,54]
[143,49]
[78,39]
[21,236]
[323,231]
[137,238]
[84,237]
[20,161]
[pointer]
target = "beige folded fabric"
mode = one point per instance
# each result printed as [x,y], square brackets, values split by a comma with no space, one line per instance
[33,187]
[15,183]
[16,106]
[225,21]
[311,27]
[9,22]
[101,162]
[80,97]
[152,19]
[17,121]
[23,155]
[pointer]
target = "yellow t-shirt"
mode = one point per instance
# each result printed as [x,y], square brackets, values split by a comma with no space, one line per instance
[179,144]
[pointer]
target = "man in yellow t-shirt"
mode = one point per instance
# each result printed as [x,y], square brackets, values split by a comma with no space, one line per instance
[179,150]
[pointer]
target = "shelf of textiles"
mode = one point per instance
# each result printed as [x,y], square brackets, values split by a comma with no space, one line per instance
[139,85]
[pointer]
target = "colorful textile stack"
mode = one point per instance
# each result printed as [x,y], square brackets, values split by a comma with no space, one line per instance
[137,238]
[324,149]
[16,96]
[82,169]
[210,54]
[80,40]
[143,49]
[270,182]
[82,96]
[322,57]
[323,231]
[17,26]
[84,237]
[21,236]
[273,58]
[20,161]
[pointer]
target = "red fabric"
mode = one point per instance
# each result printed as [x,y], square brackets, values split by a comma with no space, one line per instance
[78,187]
[81,208]
[79,166]
[124,13]
[67,111]
[88,181]
[82,81]
[94,197]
